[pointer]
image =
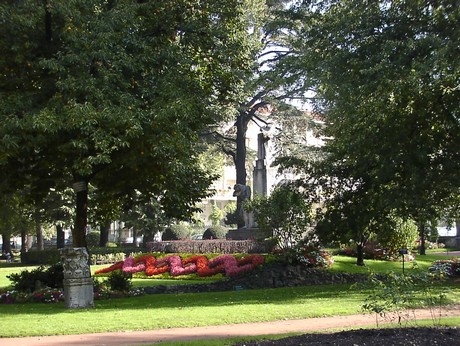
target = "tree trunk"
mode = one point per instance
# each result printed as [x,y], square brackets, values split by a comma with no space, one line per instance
[38,230]
[60,236]
[6,247]
[240,163]
[421,233]
[457,225]
[24,241]
[81,219]
[360,254]
[104,233]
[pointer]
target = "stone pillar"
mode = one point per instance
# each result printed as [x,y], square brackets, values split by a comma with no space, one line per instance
[78,284]
[260,170]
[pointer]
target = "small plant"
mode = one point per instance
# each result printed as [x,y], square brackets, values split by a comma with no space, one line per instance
[393,295]
[119,281]
[27,281]
[307,254]
[449,267]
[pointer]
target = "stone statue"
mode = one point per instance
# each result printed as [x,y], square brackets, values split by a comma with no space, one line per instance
[244,192]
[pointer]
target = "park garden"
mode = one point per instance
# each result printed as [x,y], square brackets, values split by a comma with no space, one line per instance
[154,291]
[127,112]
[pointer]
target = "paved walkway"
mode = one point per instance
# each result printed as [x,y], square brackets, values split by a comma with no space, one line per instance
[126,338]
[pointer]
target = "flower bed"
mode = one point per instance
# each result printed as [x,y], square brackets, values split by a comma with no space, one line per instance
[449,267]
[228,265]
[42,296]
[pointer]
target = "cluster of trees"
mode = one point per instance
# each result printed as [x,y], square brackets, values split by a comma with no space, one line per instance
[110,96]
[386,82]
[119,98]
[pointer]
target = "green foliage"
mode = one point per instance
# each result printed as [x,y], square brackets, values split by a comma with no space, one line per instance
[391,142]
[119,281]
[216,215]
[116,94]
[286,214]
[92,238]
[445,268]
[400,234]
[215,232]
[176,232]
[231,216]
[27,281]
[307,254]
[47,257]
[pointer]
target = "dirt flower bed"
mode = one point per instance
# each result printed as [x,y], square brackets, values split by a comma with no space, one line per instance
[362,337]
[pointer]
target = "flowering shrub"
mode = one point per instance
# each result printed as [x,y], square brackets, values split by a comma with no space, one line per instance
[315,258]
[42,296]
[226,264]
[449,267]
[308,255]
[47,296]
[371,251]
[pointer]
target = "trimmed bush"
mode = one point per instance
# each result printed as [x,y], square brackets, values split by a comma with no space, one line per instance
[176,232]
[215,232]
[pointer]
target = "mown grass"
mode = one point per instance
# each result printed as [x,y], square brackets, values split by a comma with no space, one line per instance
[200,309]
[420,264]
[186,310]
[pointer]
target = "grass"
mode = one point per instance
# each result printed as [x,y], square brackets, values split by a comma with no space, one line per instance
[186,310]
[200,309]
[421,264]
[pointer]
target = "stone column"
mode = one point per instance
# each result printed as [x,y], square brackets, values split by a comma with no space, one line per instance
[260,170]
[78,284]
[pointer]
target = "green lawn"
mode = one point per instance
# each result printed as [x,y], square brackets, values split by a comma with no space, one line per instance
[199,309]
[186,310]
[421,264]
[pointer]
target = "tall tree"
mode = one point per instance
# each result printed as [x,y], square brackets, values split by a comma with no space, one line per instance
[266,90]
[115,92]
[386,78]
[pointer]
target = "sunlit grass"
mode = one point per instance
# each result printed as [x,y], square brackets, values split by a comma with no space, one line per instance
[186,310]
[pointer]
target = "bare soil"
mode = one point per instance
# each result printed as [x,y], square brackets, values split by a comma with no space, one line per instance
[396,336]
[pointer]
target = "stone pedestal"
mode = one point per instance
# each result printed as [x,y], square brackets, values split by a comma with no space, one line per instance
[245,233]
[78,284]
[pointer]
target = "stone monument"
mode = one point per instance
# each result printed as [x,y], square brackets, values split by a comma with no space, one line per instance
[78,284]
[250,230]
[244,192]
[260,169]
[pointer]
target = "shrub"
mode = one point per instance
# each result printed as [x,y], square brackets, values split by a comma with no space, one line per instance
[176,232]
[119,281]
[396,293]
[286,214]
[92,238]
[449,267]
[371,250]
[398,234]
[46,257]
[215,232]
[27,281]
[309,255]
